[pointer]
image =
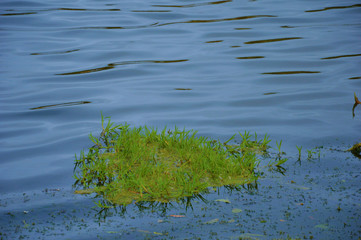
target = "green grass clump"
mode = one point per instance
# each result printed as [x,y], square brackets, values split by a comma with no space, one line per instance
[142,164]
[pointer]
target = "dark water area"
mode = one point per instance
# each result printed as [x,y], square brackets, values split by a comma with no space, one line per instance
[288,69]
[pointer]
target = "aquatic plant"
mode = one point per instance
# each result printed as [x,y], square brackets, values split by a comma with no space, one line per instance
[143,164]
[357,102]
[356,99]
[310,153]
[299,152]
[279,144]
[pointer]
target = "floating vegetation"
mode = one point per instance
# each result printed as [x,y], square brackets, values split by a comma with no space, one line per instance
[142,164]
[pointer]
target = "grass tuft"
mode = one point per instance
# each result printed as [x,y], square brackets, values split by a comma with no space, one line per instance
[136,164]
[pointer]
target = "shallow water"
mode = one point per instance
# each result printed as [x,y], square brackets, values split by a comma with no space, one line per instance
[285,68]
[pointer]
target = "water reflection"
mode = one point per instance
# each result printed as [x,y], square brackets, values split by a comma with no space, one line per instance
[112,65]
[117,27]
[290,72]
[270,93]
[272,40]
[157,24]
[183,89]
[59,9]
[286,26]
[242,28]
[106,208]
[250,57]
[84,9]
[109,66]
[15,14]
[215,41]
[61,105]
[219,20]
[55,52]
[332,8]
[193,5]
[342,56]
[151,11]
[357,102]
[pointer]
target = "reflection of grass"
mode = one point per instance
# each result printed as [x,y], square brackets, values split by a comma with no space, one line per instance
[299,152]
[142,164]
[313,151]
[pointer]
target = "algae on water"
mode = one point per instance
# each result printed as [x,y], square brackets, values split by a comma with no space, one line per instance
[143,164]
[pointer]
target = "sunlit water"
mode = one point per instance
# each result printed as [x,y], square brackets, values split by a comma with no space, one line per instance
[286,68]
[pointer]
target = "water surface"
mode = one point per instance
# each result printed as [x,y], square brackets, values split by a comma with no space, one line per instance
[285,68]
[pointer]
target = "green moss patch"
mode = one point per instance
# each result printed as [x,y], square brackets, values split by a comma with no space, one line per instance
[133,164]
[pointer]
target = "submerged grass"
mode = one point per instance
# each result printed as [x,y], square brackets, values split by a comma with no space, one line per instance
[143,164]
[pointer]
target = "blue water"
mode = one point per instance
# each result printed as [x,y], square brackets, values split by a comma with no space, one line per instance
[286,68]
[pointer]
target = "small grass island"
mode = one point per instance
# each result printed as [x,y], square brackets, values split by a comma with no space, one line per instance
[143,164]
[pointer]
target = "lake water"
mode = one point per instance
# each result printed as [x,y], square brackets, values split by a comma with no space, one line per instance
[286,68]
